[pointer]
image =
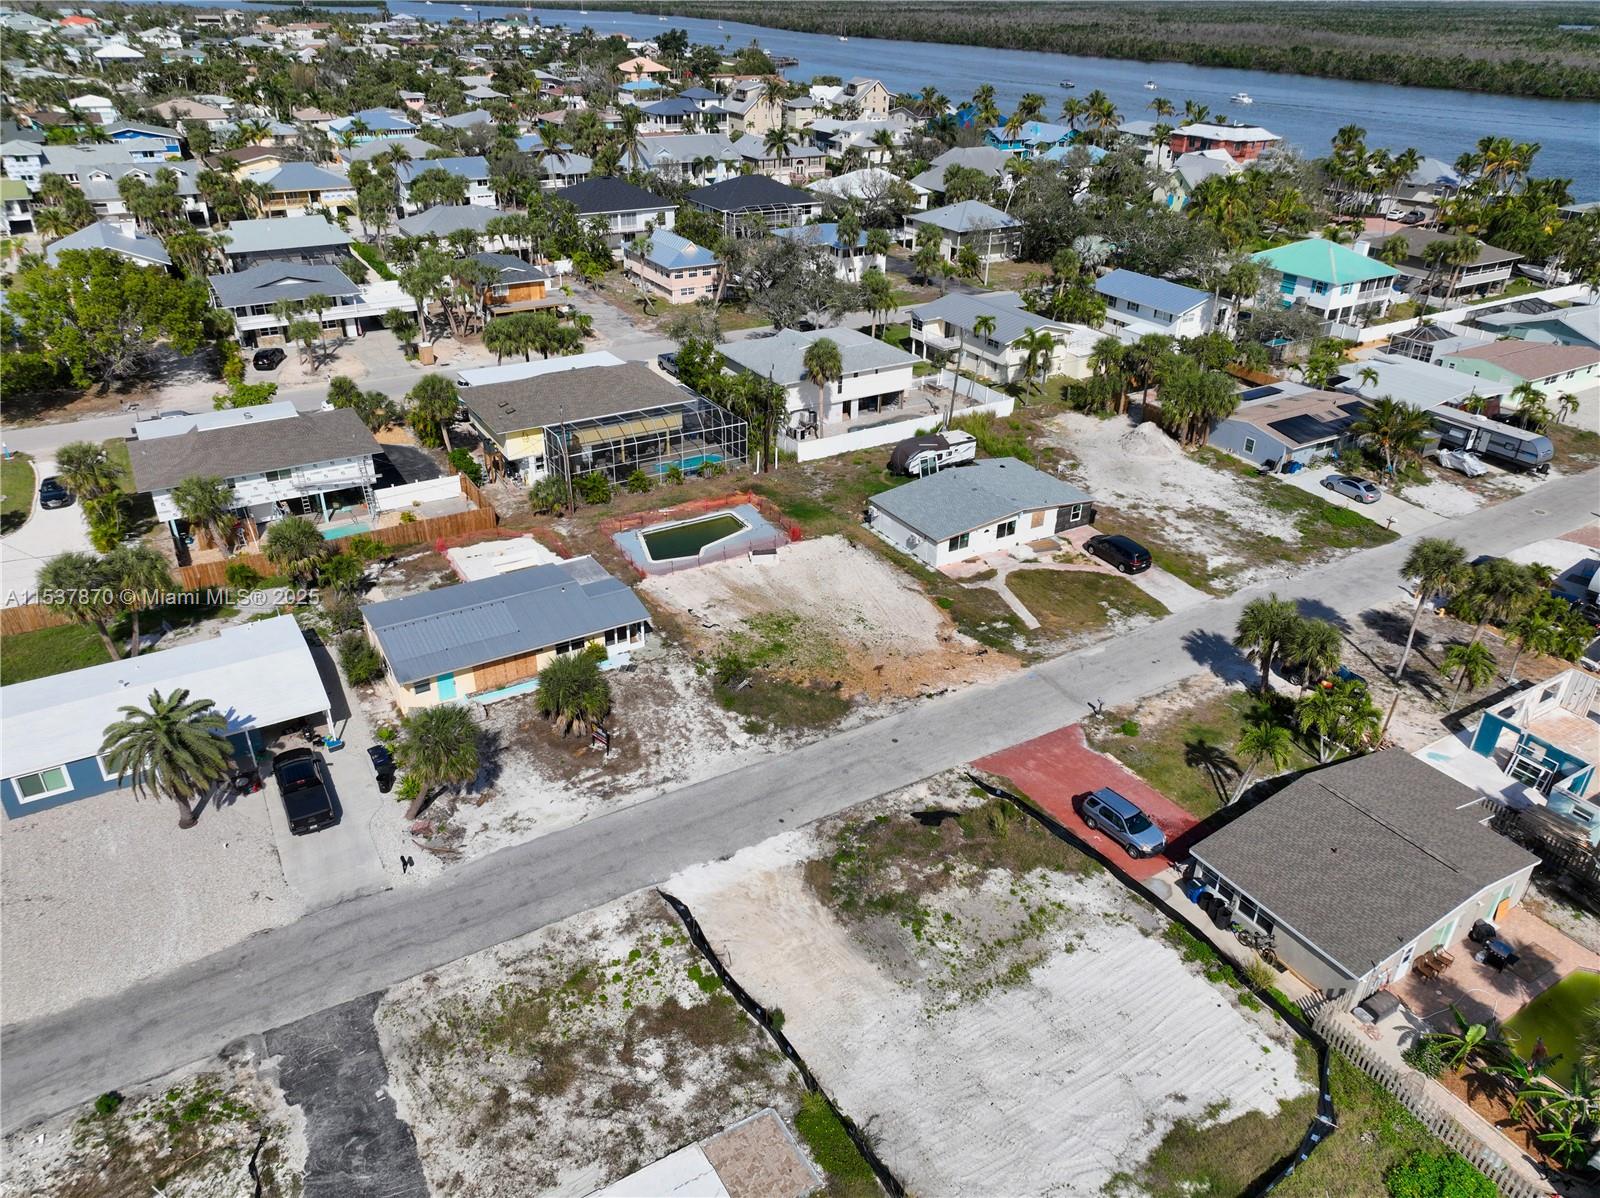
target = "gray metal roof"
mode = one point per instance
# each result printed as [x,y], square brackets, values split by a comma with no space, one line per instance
[1133,287]
[304,176]
[1362,857]
[472,168]
[511,268]
[105,235]
[474,623]
[268,282]
[1011,319]
[969,216]
[445,219]
[963,498]
[781,357]
[283,235]
[582,393]
[240,449]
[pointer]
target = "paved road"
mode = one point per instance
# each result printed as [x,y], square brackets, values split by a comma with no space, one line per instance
[47,533]
[339,953]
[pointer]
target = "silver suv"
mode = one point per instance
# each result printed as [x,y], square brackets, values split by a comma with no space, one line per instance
[1106,811]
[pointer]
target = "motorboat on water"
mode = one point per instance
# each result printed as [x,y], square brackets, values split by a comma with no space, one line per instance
[1149,85]
[1241,98]
[1068,84]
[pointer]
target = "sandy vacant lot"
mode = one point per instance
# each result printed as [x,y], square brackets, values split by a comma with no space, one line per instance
[108,890]
[190,1134]
[829,610]
[567,1059]
[1002,1032]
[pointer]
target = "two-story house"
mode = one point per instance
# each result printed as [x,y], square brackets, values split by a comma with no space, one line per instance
[1349,290]
[949,326]
[307,239]
[254,296]
[1487,274]
[1137,304]
[697,158]
[752,108]
[1244,143]
[146,143]
[995,236]
[277,461]
[372,123]
[860,97]
[745,204]
[300,188]
[624,208]
[875,377]
[672,268]
[22,161]
[850,262]
[1029,138]
[472,171]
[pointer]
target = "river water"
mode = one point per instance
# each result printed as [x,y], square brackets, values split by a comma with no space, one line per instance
[1306,111]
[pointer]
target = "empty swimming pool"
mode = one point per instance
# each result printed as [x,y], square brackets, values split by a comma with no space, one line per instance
[673,541]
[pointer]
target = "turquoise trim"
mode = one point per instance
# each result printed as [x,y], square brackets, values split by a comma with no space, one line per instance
[447,686]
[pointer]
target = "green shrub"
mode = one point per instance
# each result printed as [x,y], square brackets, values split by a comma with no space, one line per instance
[831,1146]
[993,438]
[638,482]
[729,666]
[776,1017]
[107,1103]
[713,470]
[409,788]
[361,660]
[547,496]
[1438,1175]
[462,461]
[1260,974]
[232,363]
[675,475]
[1426,1056]
[386,735]
[408,517]
[1128,728]
[594,488]
[242,576]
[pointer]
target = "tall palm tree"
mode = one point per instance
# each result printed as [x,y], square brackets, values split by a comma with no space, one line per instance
[1533,406]
[1314,648]
[208,504]
[823,364]
[176,749]
[434,403]
[777,142]
[86,469]
[1435,566]
[1471,664]
[1265,626]
[296,547]
[438,746]
[982,327]
[1262,740]
[1396,429]
[1037,345]
[1498,589]
[80,587]
[143,581]
[1566,405]
[1074,110]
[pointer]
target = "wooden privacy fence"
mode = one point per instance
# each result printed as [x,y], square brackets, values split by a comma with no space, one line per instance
[29,617]
[1411,1088]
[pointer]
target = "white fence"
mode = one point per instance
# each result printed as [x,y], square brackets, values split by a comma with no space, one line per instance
[1458,316]
[973,397]
[393,499]
[1411,1088]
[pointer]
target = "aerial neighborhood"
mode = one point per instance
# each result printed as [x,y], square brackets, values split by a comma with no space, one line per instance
[594,607]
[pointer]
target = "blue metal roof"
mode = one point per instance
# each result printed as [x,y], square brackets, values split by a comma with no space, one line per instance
[672,252]
[1134,288]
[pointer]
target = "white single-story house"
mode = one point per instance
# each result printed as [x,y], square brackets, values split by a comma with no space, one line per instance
[967,511]
[260,676]
[1358,869]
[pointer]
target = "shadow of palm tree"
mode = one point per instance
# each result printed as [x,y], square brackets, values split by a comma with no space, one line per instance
[1213,761]
[1218,654]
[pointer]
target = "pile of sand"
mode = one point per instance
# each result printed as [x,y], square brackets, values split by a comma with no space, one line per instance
[1146,440]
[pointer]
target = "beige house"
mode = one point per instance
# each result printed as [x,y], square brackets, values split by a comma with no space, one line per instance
[673,268]
[753,109]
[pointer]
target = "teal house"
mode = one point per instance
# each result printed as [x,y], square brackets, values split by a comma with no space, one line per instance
[1346,287]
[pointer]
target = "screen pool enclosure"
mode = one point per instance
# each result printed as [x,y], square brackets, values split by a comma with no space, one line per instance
[672,541]
[693,436]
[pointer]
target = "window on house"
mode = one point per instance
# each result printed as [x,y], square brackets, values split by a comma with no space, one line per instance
[106,772]
[1075,513]
[423,687]
[1006,528]
[960,542]
[42,785]
[1249,444]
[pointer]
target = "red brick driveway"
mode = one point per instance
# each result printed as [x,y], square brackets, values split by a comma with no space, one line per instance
[1059,767]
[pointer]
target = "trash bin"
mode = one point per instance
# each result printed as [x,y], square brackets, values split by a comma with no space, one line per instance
[385,783]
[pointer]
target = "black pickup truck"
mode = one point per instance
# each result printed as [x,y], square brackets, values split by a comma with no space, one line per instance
[303,786]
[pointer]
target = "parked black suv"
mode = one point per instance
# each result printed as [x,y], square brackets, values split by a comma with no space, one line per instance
[53,494]
[268,359]
[1122,552]
[303,785]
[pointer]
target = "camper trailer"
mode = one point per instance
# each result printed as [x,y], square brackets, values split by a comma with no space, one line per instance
[920,456]
[1501,443]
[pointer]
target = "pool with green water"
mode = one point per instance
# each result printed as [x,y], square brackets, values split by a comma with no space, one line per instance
[688,539]
[1556,1017]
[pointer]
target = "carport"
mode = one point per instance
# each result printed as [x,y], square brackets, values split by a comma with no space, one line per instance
[1055,769]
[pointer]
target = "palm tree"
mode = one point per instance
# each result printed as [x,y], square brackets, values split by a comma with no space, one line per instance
[823,364]
[143,581]
[1037,346]
[778,142]
[1470,663]
[434,403]
[1497,590]
[1397,429]
[438,746]
[79,586]
[177,749]
[1073,110]
[86,469]
[878,292]
[572,690]
[1365,376]
[1262,740]
[1532,629]
[1313,647]
[1435,566]
[208,504]
[296,547]
[1533,406]
[1265,626]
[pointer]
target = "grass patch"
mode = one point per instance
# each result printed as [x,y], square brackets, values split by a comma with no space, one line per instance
[997,437]
[1187,756]
[16,491]
[849,1175]
[49,651]
[1375,1134]
[768,700]
[1573,446]
[1208,1156]
[829,496]
[897,335]
[372,258]
[1070,602]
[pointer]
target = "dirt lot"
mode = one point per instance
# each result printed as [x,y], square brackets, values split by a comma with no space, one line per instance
[192,1134]
[567,1059]
[977,970]
[826,610]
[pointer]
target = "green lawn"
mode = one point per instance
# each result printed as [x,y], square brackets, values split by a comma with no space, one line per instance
[49,651]
[372,258]
[1070,602]
[16,483]
[1556,1017]
[1188,756]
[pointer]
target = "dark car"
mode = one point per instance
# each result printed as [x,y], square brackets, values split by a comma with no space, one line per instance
[303,785]
[53,494]
[1124,553]
[669,363]
[268,359]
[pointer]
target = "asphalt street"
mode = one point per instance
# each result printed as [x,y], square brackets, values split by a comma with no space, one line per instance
[340,953]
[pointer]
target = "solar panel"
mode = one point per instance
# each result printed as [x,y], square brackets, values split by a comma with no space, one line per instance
[1260,392]
[1303,430]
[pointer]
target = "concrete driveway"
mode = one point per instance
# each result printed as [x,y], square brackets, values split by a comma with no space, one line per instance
[338,863]
[1165,588]
[47,533]
[1390,512]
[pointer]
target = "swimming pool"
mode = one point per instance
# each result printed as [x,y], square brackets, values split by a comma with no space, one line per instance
[671,542]
[689,465]
[346,530]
